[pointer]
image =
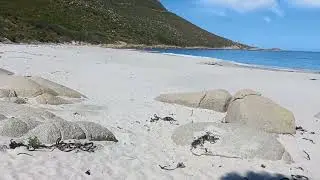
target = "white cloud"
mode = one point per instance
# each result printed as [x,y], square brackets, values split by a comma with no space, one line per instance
[220,13]
[277,11]
[243,5]
[306,3]
[267,19]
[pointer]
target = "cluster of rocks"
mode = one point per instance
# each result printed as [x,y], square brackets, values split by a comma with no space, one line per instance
[23,121]
[250,126]
[252,121]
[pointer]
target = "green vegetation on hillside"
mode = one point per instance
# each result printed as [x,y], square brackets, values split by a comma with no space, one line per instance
[101,21]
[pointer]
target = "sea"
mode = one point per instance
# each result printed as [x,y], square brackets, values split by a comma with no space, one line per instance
[292,60]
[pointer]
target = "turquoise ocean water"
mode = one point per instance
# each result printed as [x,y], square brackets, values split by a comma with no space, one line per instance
[297,60]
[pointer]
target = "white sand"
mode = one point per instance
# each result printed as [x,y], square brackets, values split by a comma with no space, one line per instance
[121,86]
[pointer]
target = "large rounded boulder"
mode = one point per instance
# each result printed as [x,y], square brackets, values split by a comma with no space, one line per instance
[190,99]
[233,140]
[58,88]
[10,109]
[253,110]
[13,127]
[46,133]
[49,132]
[12,86]
[216,100]
[96,132]
[69,130]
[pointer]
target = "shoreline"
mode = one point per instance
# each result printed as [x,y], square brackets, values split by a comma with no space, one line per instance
[123,45]
[212,61]
[226,63]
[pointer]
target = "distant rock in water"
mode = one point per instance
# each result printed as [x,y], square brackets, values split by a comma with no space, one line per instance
[275,49]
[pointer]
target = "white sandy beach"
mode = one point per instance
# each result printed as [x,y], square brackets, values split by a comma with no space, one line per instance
[121,86]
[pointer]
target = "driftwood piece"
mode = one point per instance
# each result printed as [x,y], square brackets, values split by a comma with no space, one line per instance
[299,177]
[25,154]
[308,156]
[309,140]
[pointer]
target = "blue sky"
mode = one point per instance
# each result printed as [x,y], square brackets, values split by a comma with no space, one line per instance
[286,24]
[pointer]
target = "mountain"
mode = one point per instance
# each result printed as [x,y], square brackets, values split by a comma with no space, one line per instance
[145,22]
